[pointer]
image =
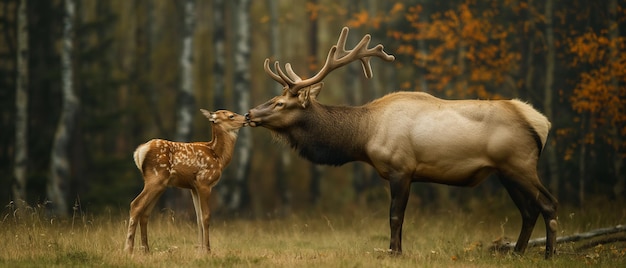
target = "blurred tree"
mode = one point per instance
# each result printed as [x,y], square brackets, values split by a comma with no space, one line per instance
[354,86]
[60,172]
[550,147]
[219,54]
[284,159]
[21,104]
[618,128]
[186,100]
[145,39]
[178,199]
[312,65]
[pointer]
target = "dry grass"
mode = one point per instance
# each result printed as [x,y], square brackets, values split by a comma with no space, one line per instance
[350,239]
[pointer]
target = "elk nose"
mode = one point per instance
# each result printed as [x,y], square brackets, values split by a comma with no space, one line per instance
[247,115]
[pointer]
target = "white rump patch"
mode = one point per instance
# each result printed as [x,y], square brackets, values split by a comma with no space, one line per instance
[140,155]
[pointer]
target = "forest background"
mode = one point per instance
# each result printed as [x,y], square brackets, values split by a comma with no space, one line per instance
[82,83]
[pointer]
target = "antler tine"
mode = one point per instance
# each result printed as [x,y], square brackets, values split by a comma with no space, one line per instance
[283,76]
[378,52]
[292,74]
[341,41]
[273,75]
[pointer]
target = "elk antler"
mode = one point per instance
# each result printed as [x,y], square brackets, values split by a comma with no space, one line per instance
[337,57]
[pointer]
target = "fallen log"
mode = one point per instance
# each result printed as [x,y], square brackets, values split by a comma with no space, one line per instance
[503,244]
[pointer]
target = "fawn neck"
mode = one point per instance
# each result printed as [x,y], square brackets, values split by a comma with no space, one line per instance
[223,143]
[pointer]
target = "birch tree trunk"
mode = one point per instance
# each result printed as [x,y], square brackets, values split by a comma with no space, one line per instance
[240,196]
[186,101]
[21,104]
[177,198]
[59,161]
[550,147]
[219,54]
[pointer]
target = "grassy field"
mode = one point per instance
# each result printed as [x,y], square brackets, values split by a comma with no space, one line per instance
[355,238]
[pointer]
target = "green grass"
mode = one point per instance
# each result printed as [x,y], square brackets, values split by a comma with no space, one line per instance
[355,238]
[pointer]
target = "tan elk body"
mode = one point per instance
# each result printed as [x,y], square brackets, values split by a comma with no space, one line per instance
[415,137]
[196,166]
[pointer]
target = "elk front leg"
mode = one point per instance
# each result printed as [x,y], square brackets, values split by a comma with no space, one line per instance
[400,189]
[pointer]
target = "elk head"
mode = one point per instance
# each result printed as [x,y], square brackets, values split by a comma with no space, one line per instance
[299,94]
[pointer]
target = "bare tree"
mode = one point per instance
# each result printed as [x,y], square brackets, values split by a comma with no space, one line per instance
[144,38]
[548,96]
[619,188]
[282,165]
[315,170]
[59,160]
[21,105]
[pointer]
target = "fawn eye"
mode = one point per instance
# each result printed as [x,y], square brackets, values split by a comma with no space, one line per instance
[232,116]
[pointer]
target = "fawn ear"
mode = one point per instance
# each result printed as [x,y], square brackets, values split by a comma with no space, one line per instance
[208,115]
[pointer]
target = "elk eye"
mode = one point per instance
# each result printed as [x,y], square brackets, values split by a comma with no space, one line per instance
[280,104]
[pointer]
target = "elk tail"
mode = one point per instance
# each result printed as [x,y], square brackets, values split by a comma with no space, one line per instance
[539,125]
[140,154]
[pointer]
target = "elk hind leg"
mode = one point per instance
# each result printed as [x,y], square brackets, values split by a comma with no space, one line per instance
[140,209]
[196,205]
[549,206]
[137,209]
[534,198]
[528,213]
[204,196]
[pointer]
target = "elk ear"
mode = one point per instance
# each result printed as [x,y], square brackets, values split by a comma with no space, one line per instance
[316,89]
[305,95]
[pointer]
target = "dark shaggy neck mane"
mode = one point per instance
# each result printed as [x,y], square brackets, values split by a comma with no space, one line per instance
[327,135]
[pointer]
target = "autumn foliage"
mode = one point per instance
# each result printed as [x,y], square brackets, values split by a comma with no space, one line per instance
[599,91]
[463,52]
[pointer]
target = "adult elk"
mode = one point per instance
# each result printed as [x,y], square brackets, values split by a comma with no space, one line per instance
[196,166]
[415,137]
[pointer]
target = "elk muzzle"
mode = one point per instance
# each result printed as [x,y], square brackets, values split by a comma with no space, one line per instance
[251,122]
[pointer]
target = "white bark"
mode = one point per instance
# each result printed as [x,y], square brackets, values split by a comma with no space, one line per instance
[59,161]
[186,97]
[219,55]
[239,194]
